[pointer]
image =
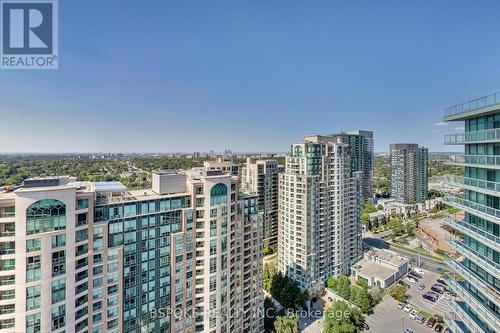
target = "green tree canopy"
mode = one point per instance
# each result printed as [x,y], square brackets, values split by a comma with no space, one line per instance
[286,324]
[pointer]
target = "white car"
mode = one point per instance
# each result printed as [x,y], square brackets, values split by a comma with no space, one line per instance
[419,271]
[407,308]
[412,280]
[413,314]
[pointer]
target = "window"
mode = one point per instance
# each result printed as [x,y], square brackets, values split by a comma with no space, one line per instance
[58,291]
[58,241]
[81,219]
[33,297]
[58,317]
[45,215]
[58,263]
[33,323]
[218,195]
[33,245]
[81,235]
[33,268]
[82,203]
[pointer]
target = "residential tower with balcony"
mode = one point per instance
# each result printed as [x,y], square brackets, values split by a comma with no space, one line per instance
[475,272]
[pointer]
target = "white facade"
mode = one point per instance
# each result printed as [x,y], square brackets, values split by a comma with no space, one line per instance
[320,201]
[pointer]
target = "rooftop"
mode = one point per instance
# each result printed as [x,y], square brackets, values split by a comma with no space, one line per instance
[370,268]
[473,108]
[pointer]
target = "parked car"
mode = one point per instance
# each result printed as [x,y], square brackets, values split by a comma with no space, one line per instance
[430,297]
[417,274]
[439,328]
[431,322]
[420,318]
[408,308]
[421,287]
[448,330]
[403,283]
[419,270]
[413,314]
[408,331]
[364,326]
[414,275]
[412,280]
[401,305]
[438,288]
[442,281]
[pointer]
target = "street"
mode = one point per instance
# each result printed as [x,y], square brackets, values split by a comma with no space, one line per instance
[427,263]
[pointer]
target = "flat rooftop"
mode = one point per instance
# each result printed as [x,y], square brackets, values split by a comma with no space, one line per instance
[370,268]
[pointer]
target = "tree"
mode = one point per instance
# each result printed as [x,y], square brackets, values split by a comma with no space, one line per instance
[361,298]
[287,324]
[269,272]
[398,292]
[340,318]
[340,285]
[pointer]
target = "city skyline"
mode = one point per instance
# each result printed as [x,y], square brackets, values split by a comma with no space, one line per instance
[258,75]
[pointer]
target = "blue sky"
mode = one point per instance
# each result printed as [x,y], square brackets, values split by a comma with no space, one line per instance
[164,76]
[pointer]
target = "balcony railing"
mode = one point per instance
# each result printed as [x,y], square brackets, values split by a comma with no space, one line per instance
[479,284]
[489,135]
[491,161]
[475,208]
[453,323]
[472,105]
[481,309]
[464,315]
[479,234]
[7,214]
[476,184]
[479,259]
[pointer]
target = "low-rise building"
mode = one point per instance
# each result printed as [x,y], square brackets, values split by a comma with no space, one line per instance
[380,268]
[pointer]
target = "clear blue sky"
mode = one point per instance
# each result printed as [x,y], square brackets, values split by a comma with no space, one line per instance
[162,76]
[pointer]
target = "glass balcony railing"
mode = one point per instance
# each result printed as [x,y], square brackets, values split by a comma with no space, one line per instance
[489,135]
[479,259]
[472,105]
[478,283]
[491,161]
[465,317]
[455,323]
[489,213]
[479,234]
[482,310]
[476,184]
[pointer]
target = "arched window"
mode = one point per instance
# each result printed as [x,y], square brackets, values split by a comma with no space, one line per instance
[45,215]
[218,195]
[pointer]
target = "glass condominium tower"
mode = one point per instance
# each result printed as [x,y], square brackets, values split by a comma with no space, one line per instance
[476,271]
[184,256]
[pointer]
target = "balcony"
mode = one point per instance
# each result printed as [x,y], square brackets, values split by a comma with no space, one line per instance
[483,312]
[483,136]
[473,108]
[482,261]
[478,234]
[479,284]
[488,213]
[478,185]
[455,323]
[472,325]
[476,161]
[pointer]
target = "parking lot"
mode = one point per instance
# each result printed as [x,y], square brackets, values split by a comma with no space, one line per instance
[388,318]
[415,296]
